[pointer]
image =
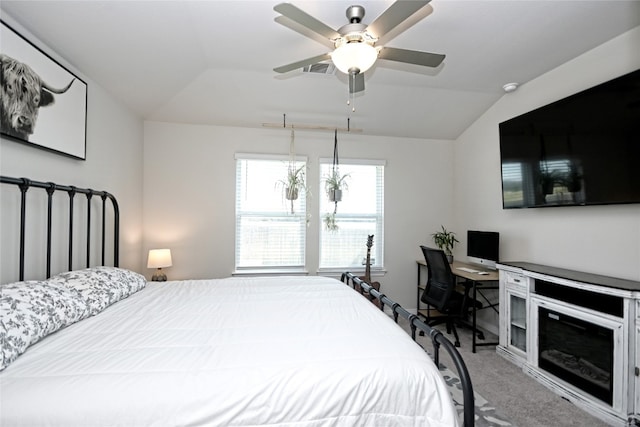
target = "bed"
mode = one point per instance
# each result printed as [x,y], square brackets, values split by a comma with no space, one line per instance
[101,346]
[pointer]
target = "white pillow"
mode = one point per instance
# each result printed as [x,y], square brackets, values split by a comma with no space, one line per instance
[101,286]
[29,311]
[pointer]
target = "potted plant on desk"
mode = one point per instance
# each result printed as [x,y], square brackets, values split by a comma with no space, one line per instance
[445,240]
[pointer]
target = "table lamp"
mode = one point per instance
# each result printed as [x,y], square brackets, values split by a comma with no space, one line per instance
[159,258]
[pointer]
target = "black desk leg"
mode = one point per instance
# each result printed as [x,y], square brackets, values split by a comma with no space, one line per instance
[475,310]
[473,330]
[418,292]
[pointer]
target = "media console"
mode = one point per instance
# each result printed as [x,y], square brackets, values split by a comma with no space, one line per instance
[576,333]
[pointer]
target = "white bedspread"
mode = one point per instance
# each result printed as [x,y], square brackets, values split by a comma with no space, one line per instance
[280,351]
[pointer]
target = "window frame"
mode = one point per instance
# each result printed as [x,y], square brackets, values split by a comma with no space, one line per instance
[377,252]
[300,214]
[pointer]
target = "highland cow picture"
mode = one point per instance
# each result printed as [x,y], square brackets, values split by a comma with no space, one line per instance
[41,102]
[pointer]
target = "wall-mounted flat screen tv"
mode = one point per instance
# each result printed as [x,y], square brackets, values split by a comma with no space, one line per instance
[580,150]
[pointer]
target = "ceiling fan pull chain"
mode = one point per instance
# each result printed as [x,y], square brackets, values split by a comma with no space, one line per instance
[353,92]
[348,93]
[352,97]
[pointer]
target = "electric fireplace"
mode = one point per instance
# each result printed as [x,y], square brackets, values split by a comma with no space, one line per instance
[580,343]
[581,336]
[577,351]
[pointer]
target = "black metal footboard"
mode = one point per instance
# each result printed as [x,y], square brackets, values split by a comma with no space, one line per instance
[437,338]
[25,184]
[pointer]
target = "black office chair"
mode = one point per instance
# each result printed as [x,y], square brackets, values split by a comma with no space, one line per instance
[440,291]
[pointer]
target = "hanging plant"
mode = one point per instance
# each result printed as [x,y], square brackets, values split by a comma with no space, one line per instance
[334,184]
[330,221]
[294,183]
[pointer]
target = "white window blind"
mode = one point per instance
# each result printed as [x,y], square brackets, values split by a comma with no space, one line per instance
[268,234]
[359,214]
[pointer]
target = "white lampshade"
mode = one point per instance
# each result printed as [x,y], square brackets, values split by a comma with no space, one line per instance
[359,55]
[159,258]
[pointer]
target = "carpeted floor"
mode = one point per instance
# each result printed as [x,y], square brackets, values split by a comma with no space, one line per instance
[505,396]
[486,414]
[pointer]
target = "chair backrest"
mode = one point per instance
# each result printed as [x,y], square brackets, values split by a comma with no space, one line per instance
[441,282]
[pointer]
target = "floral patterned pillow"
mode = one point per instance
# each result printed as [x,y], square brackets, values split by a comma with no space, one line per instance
[100,287]
[29,311]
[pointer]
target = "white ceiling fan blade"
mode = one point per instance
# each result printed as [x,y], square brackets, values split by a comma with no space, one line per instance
[300,64]
[406,24]
[301,29]
[395,15]
[306,20]
[411,56]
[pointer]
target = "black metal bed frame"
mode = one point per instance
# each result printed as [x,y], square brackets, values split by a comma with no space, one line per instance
[437,338]
[25,184]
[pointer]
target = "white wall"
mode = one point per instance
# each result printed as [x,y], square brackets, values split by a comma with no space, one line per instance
[113,163]
[189,195]
[597,239]
[189,174]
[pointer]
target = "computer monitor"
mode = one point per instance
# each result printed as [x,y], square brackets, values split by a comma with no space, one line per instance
[483,247]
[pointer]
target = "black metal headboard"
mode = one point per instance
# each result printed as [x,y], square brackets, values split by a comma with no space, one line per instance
[25,184]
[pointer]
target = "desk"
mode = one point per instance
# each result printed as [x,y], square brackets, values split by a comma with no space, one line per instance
[474,281]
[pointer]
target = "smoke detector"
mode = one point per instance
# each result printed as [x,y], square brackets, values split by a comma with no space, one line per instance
[510,87]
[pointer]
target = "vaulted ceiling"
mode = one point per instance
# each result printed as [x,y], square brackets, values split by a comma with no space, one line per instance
[211,62]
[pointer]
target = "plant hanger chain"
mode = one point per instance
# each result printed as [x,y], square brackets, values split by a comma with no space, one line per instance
[292,151]
[335,165]
[335,168]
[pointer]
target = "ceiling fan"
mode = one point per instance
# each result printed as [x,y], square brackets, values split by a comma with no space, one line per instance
[355,44]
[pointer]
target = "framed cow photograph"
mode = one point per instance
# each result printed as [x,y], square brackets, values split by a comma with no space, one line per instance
[42,103]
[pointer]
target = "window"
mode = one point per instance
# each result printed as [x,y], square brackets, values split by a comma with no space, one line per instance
[268,234]
[359,214]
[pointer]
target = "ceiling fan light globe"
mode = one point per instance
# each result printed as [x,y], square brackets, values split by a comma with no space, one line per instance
[358,55]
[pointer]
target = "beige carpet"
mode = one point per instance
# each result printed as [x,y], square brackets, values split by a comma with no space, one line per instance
[516,396]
